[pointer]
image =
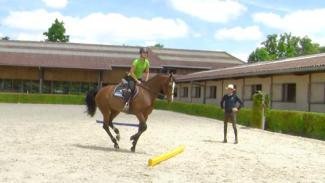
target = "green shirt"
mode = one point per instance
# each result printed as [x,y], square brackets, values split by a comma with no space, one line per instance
[140,66]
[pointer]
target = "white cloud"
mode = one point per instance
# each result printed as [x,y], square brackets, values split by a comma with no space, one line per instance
[300,23]
[56,3]
[99,27]
[239,33]
[150,43]
[241,55]
[210,10]
[196,35]
[30,36]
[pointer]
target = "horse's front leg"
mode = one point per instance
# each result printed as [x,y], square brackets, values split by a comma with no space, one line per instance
[106,128]
[141,129]
[112,116]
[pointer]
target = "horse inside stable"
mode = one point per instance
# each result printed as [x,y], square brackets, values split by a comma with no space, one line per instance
[141,105]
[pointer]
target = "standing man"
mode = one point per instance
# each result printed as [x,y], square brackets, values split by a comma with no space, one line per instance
[230,109]
[139,70]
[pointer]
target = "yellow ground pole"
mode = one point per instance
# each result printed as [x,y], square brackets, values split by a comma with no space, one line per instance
[156,160]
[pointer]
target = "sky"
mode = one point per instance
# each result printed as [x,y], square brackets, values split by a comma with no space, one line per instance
[235,26]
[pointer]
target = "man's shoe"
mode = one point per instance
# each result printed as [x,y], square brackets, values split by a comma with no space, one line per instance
[225,141]
[236,141]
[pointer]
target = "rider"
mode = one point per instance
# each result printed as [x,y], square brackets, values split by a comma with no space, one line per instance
[139,69]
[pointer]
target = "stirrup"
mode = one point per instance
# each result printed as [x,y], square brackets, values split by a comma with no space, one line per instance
[126,107]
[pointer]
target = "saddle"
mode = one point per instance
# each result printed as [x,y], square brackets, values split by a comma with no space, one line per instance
[123,91]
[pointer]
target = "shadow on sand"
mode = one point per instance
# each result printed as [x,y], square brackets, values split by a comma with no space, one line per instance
[106,149]
[213,141]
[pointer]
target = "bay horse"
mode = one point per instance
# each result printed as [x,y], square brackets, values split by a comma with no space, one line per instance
[141,104]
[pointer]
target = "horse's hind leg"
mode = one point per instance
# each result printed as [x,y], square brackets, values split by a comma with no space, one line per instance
[112,116]
[106,128]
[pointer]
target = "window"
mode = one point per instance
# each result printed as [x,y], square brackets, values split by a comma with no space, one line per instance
[289,92]
[7,84]
[46,87]
[185,92]
[197,93]
[213,92]
[255,89]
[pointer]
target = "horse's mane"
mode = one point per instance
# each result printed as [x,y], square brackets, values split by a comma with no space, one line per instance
[154,78]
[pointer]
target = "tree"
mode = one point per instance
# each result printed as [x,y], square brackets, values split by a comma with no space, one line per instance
[282,46]
[158,45]
[308,47]
[56,32]
[260,54]
[322,49]
[5,38]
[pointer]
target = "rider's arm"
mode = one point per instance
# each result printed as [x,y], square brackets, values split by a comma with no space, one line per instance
[133,75]
[146,74]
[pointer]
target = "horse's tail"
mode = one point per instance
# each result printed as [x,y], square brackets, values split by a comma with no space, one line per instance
[90,102]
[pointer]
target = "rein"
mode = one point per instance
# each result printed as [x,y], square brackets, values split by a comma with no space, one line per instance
[151,91]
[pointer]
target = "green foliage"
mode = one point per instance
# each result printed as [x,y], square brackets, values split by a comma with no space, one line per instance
[5,38]
[322,49]
[260,54]
[244,116]
[41,98]
[308,47]
[257,116]
[158,45]
[205,110]
[283,46]
[257,110]
[56,32]
[305,124]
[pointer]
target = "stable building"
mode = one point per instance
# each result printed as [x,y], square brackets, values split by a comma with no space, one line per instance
[70,68]
[292,84]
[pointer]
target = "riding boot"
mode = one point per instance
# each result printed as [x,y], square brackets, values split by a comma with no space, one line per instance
[236,136]
[225,133]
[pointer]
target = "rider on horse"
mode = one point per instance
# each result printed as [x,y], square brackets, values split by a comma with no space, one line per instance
[140,66]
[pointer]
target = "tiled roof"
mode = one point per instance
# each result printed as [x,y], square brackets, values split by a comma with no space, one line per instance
[293,65]
[103,57]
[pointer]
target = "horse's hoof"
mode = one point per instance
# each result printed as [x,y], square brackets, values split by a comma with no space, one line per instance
[116,146]
[132,149]
[118,137]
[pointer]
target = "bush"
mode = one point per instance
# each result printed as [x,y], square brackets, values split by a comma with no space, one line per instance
[41,98]
[205,110]
[305,124]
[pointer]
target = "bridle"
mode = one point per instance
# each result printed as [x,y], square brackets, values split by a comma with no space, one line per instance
[159,94]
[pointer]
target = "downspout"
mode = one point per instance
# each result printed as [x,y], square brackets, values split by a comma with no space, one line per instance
[204,92]
[309,91]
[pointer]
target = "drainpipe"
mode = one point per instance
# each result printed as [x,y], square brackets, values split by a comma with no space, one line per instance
[204,92]
[221,88]
[191,91]
[243,97]
[309,91]
[40,77]
[100,79]
[271,93]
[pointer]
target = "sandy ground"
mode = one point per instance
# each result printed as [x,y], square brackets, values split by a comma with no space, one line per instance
[60,143]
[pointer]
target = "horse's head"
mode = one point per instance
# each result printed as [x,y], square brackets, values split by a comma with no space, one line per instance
[168,87]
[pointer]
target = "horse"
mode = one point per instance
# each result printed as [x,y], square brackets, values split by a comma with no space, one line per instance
[141,104]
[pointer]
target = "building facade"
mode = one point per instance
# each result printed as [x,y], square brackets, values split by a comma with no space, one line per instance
[292,84]
[69,68]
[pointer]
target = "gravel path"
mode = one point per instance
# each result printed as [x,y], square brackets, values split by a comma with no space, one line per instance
[60,143]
